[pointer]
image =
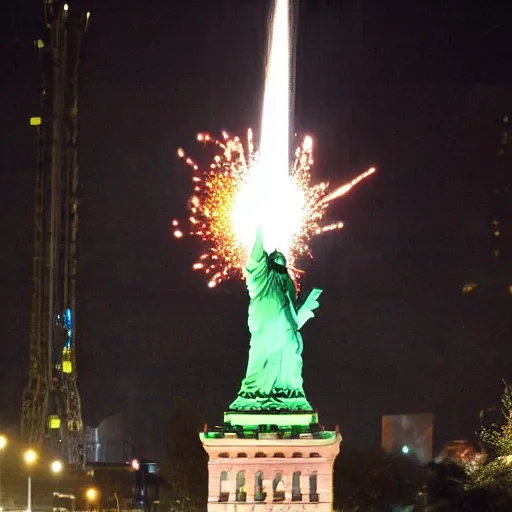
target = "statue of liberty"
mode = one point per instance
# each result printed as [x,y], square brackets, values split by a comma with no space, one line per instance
[274,372]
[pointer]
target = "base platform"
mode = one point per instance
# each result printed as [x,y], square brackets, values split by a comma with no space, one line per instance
[270,462]
[281,419]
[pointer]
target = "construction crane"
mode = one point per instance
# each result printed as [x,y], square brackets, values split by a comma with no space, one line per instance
[51,416]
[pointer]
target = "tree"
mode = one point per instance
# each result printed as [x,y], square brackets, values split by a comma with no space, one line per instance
[481,482]
[375,481]
[445,487]
[495,475]
[185,462]
[480,485]
[499,437]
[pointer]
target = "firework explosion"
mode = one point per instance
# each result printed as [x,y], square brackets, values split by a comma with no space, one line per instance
[242,189]
[215,206]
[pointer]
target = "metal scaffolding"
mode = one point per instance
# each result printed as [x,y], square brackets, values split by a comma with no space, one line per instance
[51,412]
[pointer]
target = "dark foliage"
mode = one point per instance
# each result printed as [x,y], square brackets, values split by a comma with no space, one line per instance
[376,481]
[451,489]
[185,464]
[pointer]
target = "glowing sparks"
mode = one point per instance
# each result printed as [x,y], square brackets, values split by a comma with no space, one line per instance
[211,205]
[242,189]
[347,187]
[217,219]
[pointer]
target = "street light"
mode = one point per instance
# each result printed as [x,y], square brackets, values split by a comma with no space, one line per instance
[56,466]
[91,494]
[30,457]
[3,444]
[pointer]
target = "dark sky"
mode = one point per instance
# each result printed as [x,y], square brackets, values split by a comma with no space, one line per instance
[416,89]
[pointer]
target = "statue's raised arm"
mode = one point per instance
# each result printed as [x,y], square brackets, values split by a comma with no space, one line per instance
[256,266]
[257,253]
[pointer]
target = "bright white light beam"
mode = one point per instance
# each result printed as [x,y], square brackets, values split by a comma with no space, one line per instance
[269,197]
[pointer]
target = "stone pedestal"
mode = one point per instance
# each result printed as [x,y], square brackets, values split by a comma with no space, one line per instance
[270,462]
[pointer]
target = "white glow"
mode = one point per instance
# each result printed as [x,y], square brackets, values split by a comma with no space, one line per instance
[66,7]
[269,197]
[273,150]
[56,466]
[274,203]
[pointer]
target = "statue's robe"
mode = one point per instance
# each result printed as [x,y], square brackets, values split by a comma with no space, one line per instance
[274,371]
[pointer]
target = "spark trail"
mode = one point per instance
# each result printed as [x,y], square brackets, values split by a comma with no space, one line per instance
[217,192]
[243,188]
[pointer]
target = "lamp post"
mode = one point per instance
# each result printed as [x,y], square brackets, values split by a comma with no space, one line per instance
[56,468]
[30,457]
[92,495]
[3,444]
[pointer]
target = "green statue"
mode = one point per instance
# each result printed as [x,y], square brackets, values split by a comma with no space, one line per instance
[274,373]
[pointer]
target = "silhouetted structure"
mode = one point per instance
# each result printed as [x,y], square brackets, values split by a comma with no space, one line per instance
[109,442]
[494,273]
[51,412]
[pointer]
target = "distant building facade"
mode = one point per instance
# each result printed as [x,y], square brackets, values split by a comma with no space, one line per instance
[109,441]
[409,434]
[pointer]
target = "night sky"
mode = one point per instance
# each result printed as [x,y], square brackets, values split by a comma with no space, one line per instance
[417,90]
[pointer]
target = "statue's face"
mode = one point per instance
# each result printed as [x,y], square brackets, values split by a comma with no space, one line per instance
[278,261]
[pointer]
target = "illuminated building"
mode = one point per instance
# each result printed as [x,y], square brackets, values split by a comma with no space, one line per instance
[283,461]
[409,434]
[493,274]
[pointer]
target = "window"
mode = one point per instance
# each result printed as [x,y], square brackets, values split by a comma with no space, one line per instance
[279,455]
[278,488]
[297,455]
[260,454]
[259,494]
[241,495]
[313,494]
[223,490]
[241,455]
[224,455]
[314,454]
[296,494]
